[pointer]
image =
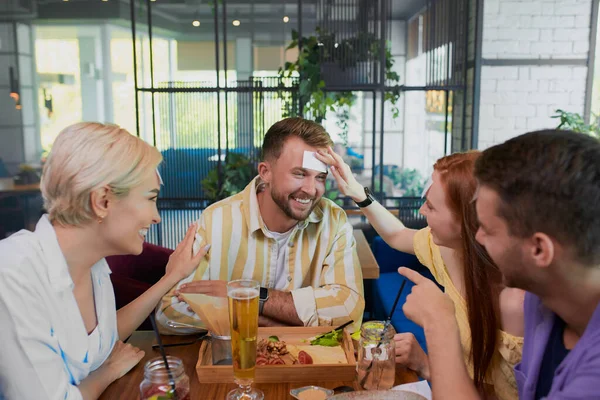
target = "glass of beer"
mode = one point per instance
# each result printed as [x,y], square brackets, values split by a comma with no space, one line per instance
[243,318]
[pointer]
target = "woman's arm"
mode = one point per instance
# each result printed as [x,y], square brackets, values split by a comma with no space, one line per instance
[181,264]
[390,228]
[122,359]
[432,309]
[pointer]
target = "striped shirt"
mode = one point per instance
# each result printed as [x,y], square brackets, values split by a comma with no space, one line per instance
[321,264]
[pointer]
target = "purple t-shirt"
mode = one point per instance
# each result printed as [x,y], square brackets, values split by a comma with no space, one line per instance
[578,376]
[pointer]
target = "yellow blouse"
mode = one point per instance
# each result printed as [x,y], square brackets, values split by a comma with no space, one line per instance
[510,347]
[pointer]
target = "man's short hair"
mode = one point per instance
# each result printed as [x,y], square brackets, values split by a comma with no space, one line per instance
[548,181]
[310,132]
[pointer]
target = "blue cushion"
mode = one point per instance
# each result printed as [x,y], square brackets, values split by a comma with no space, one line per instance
[184,169]
[386,287]
[390,259]
[385,290]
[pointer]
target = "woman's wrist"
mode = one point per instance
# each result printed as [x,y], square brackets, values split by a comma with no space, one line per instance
[358,194]
[359,198]
[170,280]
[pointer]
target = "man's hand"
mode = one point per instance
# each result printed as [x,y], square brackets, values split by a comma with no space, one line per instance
[426,302]
[209,288]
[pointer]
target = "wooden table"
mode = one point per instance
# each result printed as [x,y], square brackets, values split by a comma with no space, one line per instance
[128,386]
[20,189]
[370,268]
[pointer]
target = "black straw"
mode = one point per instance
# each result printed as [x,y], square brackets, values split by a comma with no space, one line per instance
[164,356]
[396,301]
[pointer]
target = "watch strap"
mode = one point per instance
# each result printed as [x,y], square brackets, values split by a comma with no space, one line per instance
[366,202]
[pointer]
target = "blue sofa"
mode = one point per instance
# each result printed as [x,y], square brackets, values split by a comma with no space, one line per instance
[384,290]
[183,169]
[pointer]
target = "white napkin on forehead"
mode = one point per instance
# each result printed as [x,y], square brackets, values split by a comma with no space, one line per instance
[311,162]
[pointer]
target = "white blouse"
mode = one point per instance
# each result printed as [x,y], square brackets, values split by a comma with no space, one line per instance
[45,350]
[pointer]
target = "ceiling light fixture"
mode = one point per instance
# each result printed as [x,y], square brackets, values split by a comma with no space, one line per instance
[286,19]
[196,23]
[236,22]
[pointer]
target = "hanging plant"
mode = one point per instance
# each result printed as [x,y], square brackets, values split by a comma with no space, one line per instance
[318,50]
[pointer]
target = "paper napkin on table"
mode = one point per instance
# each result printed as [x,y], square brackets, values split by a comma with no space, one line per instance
[421,387]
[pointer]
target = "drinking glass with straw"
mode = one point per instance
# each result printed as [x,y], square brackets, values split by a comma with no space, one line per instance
[384,330]
[164,357]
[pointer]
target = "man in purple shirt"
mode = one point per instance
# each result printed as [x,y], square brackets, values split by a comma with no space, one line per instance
[538,207]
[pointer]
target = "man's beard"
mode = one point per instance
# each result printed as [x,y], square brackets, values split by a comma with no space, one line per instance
[284,204]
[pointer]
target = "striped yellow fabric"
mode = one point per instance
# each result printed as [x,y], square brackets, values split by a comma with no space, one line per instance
[322,267]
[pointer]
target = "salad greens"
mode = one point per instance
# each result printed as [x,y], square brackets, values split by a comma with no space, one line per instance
[330,339]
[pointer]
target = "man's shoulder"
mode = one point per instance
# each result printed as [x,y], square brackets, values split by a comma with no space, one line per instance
[331,211]
[234,201]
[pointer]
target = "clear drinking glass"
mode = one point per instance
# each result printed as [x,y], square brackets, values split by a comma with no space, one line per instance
[376,367]
[157,381]
[243,318]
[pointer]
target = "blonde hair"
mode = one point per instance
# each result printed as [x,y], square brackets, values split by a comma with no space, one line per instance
[87,156]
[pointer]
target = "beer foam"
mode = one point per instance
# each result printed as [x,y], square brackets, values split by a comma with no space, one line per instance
[243,293]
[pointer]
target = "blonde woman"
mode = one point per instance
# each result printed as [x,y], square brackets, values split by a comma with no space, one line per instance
[61,336]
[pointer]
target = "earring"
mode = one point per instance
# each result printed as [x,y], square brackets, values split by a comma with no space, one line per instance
[100,219]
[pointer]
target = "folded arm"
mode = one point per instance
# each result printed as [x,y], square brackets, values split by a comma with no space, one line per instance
[340,296]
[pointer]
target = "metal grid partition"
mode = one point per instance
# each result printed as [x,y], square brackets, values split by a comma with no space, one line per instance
[196,125]
[195,135]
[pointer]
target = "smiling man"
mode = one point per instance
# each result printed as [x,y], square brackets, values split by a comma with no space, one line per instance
[281,232]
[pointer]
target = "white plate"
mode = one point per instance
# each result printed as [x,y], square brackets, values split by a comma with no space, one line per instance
[378,395]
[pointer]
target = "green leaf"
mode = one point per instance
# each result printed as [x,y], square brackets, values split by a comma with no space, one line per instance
[331,339]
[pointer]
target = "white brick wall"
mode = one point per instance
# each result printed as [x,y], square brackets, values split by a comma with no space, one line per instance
[517,99]
[536,28]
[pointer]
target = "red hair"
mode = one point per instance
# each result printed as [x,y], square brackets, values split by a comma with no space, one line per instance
[481,276]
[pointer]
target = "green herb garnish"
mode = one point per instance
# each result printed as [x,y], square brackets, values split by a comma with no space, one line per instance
[331,339]
[273,339]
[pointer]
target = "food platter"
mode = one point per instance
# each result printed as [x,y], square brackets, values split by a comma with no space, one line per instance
[379,395]
[327,362]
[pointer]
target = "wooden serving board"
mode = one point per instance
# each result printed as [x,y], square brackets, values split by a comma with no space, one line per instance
[208,373]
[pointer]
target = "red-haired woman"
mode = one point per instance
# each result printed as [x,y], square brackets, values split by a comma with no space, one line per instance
[490,316]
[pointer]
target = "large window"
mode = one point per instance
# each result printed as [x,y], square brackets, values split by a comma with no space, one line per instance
[59,89]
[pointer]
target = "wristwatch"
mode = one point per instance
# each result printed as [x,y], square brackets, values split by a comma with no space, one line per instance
[366,202]
[262,299]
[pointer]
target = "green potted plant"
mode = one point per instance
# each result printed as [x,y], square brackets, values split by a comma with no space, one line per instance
[575,122]
[321,54]
[237,172]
